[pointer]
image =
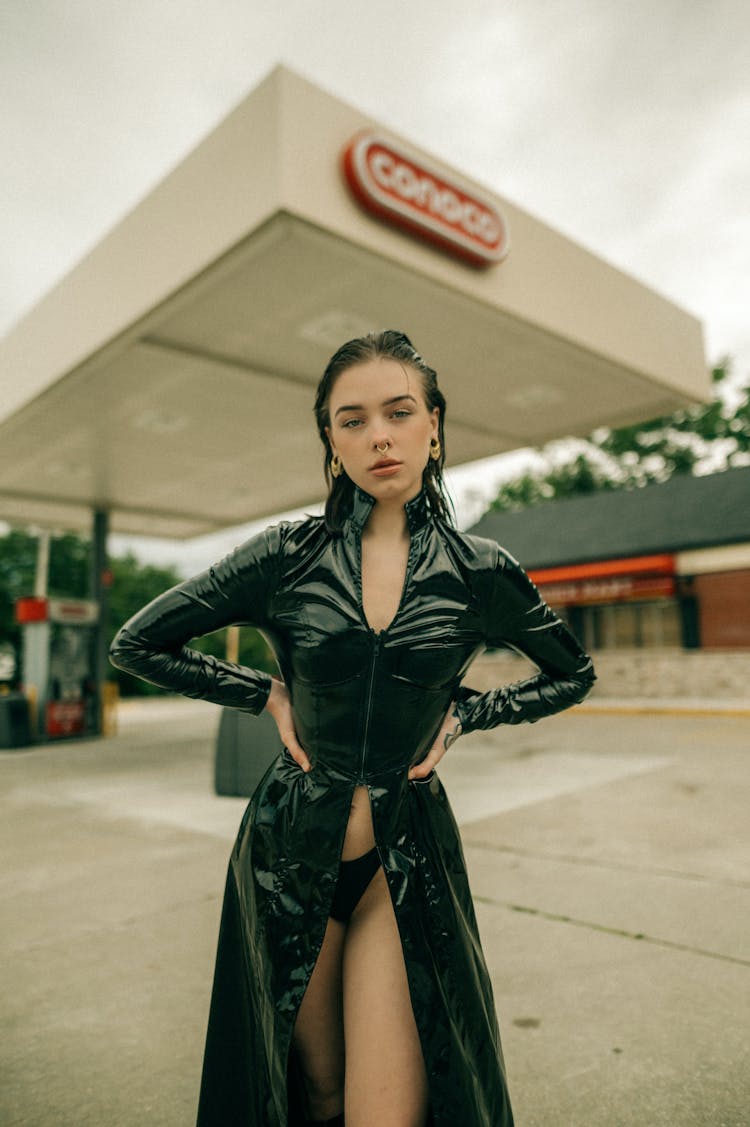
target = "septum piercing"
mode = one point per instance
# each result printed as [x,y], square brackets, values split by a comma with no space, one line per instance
[385,447]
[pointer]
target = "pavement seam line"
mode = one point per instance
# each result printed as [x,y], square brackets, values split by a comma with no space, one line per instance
[620,933]
[593,862]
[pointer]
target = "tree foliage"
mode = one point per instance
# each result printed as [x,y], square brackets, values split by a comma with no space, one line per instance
[67,574]
[134,584]
[705,438]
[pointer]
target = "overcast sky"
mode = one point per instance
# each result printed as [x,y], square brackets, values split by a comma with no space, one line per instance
[624,125]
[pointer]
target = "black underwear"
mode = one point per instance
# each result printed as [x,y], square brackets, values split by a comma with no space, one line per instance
[354,877]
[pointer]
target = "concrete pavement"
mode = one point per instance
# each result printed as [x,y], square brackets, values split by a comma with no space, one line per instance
[608,853]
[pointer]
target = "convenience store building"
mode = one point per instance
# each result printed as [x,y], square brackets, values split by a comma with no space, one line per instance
[663,566]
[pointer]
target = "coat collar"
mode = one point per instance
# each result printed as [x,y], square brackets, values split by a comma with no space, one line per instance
[417,509]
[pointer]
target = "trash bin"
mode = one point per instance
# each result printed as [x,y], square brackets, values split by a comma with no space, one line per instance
[15,729]
[246,746]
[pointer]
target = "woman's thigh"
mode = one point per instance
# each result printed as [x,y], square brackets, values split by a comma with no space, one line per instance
[386,1083]
[319,1029]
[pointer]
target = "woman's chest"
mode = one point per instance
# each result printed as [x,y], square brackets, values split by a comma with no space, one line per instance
[383,572]
[331,629]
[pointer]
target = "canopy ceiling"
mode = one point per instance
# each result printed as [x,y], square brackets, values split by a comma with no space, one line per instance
[195,412]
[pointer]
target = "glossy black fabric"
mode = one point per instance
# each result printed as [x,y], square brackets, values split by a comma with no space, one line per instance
[366,706]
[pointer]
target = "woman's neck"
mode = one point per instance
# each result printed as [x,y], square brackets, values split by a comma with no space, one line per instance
[387,521]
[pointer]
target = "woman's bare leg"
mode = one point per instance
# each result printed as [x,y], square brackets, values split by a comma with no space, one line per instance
[386,1083]
[319,1030]
[356,1017]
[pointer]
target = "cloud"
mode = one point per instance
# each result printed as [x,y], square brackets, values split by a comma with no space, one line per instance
[596,116]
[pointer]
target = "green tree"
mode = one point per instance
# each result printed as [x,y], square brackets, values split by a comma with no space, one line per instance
[67,577]
[709,437]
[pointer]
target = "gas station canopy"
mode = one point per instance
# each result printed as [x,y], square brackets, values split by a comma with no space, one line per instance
[169,378]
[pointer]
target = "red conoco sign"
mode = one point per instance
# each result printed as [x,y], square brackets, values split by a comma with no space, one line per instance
[403,188]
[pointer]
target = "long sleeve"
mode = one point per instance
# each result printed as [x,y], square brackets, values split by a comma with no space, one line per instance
[516,617]
[237,590]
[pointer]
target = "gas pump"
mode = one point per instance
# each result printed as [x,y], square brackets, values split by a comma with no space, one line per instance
[58,661]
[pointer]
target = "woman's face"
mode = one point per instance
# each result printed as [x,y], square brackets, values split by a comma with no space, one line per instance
[381,404]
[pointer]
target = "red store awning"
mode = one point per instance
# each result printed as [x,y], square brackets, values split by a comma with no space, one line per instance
[607,581]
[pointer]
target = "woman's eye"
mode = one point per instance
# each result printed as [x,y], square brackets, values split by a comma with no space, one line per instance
[351,423]
[401,413]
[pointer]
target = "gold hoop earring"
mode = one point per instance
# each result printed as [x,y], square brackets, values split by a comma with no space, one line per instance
[435,449]
[336,467]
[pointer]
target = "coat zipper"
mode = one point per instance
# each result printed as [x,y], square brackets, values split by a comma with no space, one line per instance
[368,705]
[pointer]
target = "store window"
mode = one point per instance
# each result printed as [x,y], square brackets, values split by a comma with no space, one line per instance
[631,625]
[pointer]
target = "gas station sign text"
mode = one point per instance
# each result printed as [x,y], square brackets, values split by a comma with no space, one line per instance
[398,185]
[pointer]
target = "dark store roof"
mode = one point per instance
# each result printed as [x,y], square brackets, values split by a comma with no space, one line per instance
[684,512]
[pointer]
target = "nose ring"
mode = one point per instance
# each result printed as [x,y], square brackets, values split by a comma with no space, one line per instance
[382,449]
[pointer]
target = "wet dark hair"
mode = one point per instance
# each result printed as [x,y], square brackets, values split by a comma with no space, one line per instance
[392,345]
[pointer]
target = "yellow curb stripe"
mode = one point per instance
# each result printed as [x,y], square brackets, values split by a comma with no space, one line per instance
[667,709]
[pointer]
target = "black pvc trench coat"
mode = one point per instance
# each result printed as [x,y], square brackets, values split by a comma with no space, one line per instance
[366,707]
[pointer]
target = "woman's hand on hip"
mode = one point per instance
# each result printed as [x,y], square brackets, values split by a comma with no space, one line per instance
[449,732]
[280,707]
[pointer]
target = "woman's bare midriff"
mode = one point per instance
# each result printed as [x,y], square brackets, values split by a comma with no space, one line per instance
[360,835]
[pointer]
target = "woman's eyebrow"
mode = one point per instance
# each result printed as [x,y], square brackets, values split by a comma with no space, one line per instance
[385,403]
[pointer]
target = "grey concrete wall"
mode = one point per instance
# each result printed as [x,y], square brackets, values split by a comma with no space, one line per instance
[680,674]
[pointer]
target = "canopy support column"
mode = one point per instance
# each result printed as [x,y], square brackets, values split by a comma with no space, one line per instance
[100,580]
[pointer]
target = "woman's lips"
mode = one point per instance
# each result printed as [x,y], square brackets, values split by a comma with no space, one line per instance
[386,469]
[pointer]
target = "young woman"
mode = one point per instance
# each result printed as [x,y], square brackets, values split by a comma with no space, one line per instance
[350,982]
